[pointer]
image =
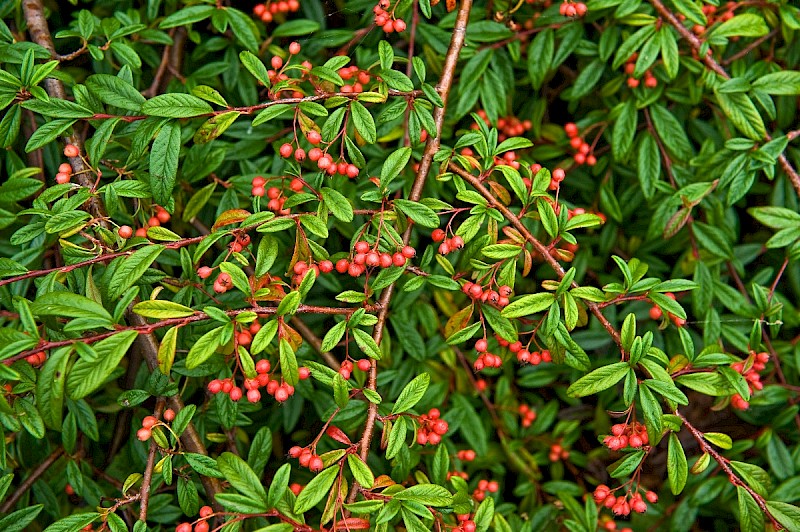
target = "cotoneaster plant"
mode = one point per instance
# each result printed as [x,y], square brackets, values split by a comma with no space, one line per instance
[414,265]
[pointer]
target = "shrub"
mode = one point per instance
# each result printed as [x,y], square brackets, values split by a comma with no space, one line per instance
[441,266]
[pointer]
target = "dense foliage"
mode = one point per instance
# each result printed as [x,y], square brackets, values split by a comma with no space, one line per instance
[412,265]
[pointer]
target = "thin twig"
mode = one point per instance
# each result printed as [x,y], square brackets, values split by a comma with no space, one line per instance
[538,246]
[32,478]
[712,63]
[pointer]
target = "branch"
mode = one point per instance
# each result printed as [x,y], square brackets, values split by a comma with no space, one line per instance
[723,463]
[40,33]
[712,63]
[143,328]
[538,246]
[446,81]
[190,438]
[147,478]
[32,478]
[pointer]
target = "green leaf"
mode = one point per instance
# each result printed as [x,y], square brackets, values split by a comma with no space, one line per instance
[361,471]
[255,66]
[238,277]
[115,91]
[745,25]
[786,514]
[87,376]
[671,131]
[540,56]
[363,122]
[187,15]
[50,388]
[785,82]
[73,522]
[47,133]
[65,304]
[751,518]
[333,336]
[427,494]
[132,268]
[316,490]
[739,108]
[161,309]
[288,362]
[294,28]
[367,344]
[175,105]
[598,380]
[17,521]
[624,131]
[279,485]
[587,79]
[242,478]
[528,304]
[164,162]
[419,213]
[411,393]
[677,468]
[651,411]
[58,108]
[203,348]
[394,165]
[338,204]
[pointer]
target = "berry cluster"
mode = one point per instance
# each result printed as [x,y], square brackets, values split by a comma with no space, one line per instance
[623,504]
[466,455]
[556,177]
[583,151]
[485,359]
[280,391]
[370,257]
[485,487]
[386,20]
[656,313]
[607,523]
[524,356]
[144,433]
[64,172]
[572,9]
[431,428]
[466,524]
[447,245]
[626,434]
[557,452]
[240,242]
[346,368]
[206,512]
[268,10]
[528,415]
[307,458]
[36,359]
[749,368]
[650,80]
[712,16]
[508,126]
[161,216]
[498,298]
[359,77]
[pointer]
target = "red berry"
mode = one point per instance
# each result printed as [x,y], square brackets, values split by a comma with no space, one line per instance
[70,150]
[294,48]
[235,393]
[303,373]
[184,527]
[361,247]
[276,62]
[314,138]
[143,434]
[286,150]
[437,235]
[408,252]
[364,364]
[398,259]
[125,232]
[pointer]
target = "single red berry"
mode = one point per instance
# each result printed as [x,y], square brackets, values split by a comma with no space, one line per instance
[163,216]
[258,191]
[294,48]
[408,252]
[184,527]
[398,259]
[361,247]
[655,313]
[314,138]
[276,62]
[149,421]
[62,178]
[143,434]
[169,414]
[70,150]
[437,235]
[235,393]
[303,373]
[286,150]
[125,231]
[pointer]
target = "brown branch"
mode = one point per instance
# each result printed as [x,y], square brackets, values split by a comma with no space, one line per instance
[446,81]
[147,478]
[170,61]
[143,328]
[40,33]
[190,438]
[538,246]
[32,478]
[723,463]
[712,64]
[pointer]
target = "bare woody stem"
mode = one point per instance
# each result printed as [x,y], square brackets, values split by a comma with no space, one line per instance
[445,82]
[143,328]
[147,478]
[696,43]
[726,467]
[30,480]
[537,245]
[33,11]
